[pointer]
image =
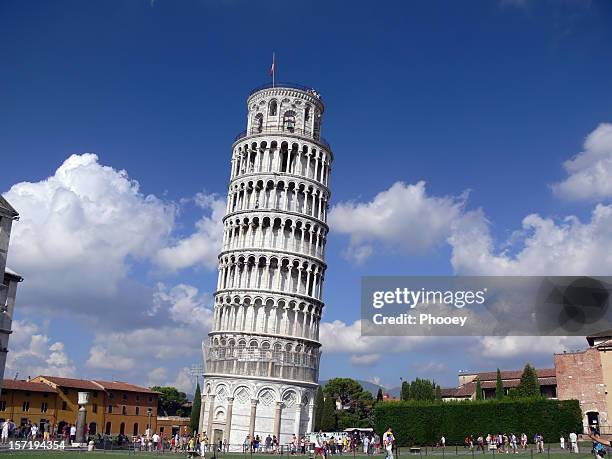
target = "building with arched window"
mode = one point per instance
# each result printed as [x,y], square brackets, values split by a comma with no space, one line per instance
[262,354]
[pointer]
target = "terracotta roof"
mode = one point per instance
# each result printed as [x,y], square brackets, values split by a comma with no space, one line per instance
[514,374]
[448,391]
[20,384]
[468,389]
[123,386]
[7,209]
[73,383]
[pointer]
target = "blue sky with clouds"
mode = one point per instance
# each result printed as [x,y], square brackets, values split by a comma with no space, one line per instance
[453,125]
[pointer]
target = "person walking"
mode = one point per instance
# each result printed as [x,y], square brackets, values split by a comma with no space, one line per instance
[318,445]
[573,439]
[389,440]
[5,432]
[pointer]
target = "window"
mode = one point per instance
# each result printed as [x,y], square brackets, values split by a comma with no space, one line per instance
[110,409]
[259,122]
[273,108]
[137,410]
[307,114]
[45,395]
[2,405]
[150,399]
[108,428]
[111,395]
[65,390]
[137,398]
[25,407]
[64,406]
[289,120]
[124,410]
[94,408]
[124,396]
[44,407]
[95,394]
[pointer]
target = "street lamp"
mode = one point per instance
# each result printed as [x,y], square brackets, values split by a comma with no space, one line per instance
[149,413]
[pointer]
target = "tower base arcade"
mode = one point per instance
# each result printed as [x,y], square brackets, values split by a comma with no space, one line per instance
[234,408]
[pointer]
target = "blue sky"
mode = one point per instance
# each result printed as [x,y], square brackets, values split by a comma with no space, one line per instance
[486,97]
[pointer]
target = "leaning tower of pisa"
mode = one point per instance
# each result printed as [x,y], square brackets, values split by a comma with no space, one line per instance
[262,355]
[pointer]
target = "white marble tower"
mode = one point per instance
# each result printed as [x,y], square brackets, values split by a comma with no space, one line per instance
[262,355]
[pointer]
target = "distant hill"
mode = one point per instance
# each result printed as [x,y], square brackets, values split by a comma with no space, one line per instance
[373,388]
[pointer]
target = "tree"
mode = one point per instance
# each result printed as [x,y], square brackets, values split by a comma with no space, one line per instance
[479,395]
[319,401]
[405,393]
[170,401]
[529,385]
[422,389]
[357,403]
[328,417]
[438,393]
[379,395]
[194,422]
[499,386]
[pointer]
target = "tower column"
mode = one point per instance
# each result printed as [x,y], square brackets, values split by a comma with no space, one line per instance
[228,418]
[211,410]
[311,415]
[277,419]
[252,418]
[298,419]
[202,411]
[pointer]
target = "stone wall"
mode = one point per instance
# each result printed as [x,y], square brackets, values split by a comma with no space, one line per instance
[580,376]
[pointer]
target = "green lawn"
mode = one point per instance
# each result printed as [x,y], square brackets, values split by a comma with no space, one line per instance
[450,452]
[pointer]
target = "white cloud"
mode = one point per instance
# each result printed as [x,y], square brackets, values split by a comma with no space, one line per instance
[185,304]
[203,246]
[79,231]
[157,376]
[590,172]
[184,380]
[32,353]
[542,247]
[430,367]
[340,337]
[365,360]
[402,218]
[513,346]
[99,357]
[184,317]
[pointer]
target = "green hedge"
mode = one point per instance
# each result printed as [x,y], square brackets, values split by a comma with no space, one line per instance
[423,423]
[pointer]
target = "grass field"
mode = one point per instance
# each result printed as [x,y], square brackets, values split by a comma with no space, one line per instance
[450,452]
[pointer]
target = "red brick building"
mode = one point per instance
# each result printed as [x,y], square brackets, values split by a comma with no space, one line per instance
[586,376]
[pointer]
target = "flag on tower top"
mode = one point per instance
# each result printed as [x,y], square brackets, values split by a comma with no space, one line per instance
[273,67]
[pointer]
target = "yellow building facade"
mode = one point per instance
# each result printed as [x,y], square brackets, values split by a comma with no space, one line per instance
[28,402]
[114,407]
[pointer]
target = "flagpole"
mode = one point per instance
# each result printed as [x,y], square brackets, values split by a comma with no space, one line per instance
[273,67]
